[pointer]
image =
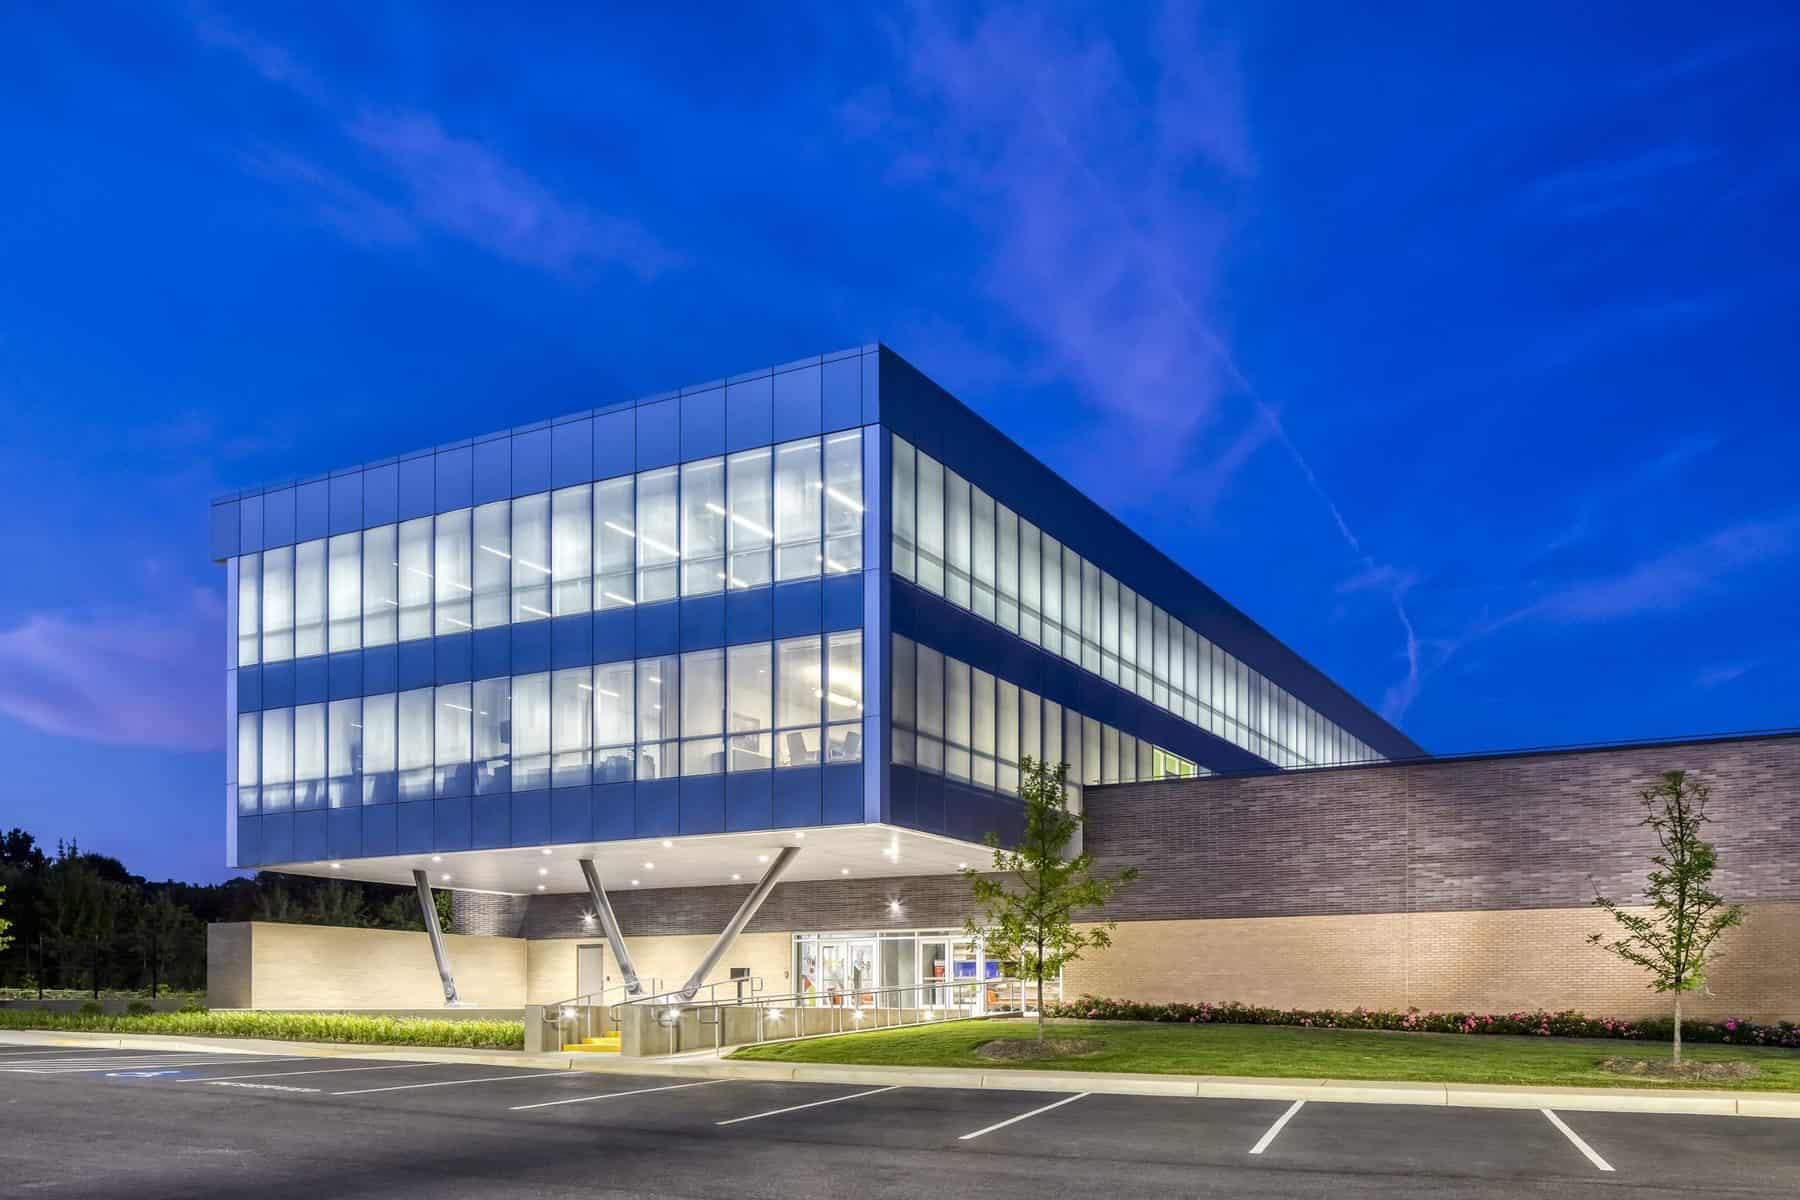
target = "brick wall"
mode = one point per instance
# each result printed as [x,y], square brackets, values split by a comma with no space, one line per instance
[1454,884]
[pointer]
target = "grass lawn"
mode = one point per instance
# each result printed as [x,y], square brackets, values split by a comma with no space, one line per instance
[1286,1051]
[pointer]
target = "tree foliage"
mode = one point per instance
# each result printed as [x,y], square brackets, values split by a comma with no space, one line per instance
[80,919]
[1030,899]
[1673,940]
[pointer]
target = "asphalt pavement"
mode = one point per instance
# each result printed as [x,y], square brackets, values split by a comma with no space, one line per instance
[79,1121]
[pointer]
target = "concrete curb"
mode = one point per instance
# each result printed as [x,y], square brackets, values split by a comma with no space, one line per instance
[1210,1087]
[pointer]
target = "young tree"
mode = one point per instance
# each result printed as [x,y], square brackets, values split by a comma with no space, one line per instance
[1029,909]
[1686,916]
[5,937]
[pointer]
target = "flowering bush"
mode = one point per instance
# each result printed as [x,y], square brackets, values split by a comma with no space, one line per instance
[1536,1024]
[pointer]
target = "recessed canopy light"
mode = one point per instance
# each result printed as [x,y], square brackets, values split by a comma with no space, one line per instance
[634,883]
[649,866]
[540,887]
[762,858]
[667,843]
[546,850]
[337,866]
[800,833]
[543,870]
[735,875]
[962,866]
[437,858]
[843,870]
[445,877]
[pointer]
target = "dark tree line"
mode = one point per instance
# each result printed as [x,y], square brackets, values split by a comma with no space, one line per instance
[82,921]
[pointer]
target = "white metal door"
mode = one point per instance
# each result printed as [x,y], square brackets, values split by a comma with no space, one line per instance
[590,970]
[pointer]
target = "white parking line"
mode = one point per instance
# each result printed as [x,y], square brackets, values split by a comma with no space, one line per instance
[776,1112]
[407,1087]
[135,1064]
[1262,1143]
[52,1056]
[673,1087]
[321,1071]
[968,1137]
[1576,1138]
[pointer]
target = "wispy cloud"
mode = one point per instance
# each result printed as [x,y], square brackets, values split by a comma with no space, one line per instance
[1599,506]
[1670,581]
[138,681]
[1724,673]
[1106,200]
[1598,187]
[465,188]
[1109,204]
[421,178]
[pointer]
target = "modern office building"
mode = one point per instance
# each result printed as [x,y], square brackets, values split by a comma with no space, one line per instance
[609,677]
[822,605]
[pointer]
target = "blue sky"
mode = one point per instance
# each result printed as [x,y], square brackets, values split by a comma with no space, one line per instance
[1457,350]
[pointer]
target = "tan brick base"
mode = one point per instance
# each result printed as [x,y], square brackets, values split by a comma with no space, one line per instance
[1464,961]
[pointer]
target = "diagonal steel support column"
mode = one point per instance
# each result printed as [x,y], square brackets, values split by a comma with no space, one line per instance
[428,910]
[609,924]
[735,926]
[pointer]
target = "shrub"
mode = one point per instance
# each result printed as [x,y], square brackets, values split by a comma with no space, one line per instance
[139,1008]
[1537,1024]
[91,1009]
[293,1027]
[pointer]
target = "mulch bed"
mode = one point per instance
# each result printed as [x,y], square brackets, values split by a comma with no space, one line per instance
[1699,1072]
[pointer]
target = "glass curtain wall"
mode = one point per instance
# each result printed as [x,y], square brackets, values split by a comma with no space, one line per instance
[797,702]
[792,511]
[955,720]
[954,540]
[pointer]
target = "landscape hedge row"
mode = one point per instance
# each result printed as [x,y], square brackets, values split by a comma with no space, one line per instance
[291,1027]
[1538,1024]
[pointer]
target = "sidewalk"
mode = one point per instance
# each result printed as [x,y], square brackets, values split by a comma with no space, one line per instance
[1704,1102]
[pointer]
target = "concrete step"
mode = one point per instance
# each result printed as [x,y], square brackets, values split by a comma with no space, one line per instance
[592,1048]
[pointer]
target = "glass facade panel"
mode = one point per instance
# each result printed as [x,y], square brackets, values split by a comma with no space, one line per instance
[799,489]
[571,550]
[249,623]
[658,692]
[613,730]
[531,731]
[703,712]
[492,602]
[703,527]
[615,544]
[749,710]
[493,735]
[843,490]
[904,516]
[381,589]
[531,558]
[278,760]
[278,604]
[982,541]
[957,529]
[455,722]
[931,525]
[415,579]
[453,573]
[799,688]
[751,529]
[381,744]
[345,603]
[343,760]
[414,743]
[571,713]
[309,598]
[658,535]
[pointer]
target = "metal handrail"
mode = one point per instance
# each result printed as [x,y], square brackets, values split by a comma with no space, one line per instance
[576,1017]
[868,1008]
[675,998]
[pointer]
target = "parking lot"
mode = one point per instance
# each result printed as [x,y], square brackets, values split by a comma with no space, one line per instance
[90,1121]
